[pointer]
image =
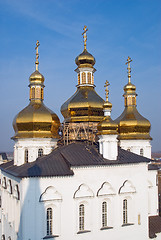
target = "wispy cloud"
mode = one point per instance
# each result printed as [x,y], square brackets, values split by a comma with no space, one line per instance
[32,10]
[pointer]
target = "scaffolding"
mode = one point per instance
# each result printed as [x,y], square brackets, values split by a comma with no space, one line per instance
[80,131]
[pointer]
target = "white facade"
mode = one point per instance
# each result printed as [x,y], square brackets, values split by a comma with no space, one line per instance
[24,215]
[108,146]
[138,146]
[31,148]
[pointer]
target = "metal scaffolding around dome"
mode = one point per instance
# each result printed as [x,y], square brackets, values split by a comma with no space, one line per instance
[84,109]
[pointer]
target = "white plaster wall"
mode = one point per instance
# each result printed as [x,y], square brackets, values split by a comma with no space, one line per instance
[108,146]
[32,144]
[158,236]
[153,208]
[10,209]
[28,215]
[66,210]
[136,145]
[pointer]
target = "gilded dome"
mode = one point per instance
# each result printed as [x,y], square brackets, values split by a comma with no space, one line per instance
[85,105]
[85,59]
[107,126]
[36,121]
[129,87]
[132,125]
[36,76]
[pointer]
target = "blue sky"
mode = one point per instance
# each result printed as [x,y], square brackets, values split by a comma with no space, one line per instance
[117,29]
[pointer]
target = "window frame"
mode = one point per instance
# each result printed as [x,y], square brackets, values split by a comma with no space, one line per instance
[125,211]
[141,152]
[49,222]
[104,214]
[40,152]
[26,155]
[81,217]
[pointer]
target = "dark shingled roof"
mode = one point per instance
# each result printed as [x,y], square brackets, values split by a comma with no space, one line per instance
[60,161]
[154,226]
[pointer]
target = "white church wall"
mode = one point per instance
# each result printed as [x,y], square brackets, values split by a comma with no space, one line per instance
[152,193]
[10,206]
[108,145]
[90,186]
[32,145]
[66,210]
[135,146]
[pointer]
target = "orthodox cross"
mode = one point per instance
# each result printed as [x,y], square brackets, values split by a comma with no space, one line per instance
[85,36]
[129,60]
[37,54]
[106,90]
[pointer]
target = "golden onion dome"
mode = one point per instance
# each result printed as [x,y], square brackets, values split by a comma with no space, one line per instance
[107,126]
[36,76]
[85,59]
[36,120]
[129,87]
[131,124]
[84,105]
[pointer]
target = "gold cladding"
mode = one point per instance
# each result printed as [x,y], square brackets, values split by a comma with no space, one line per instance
[36,120]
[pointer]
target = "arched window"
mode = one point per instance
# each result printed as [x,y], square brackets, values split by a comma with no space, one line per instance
[9,186]
[3,237]
[104,214]
[4,184]
[141,152]
[129,150]
[9,238]
[26,155]
[92,79]
[16,192]
[134,100]
[32,92]
[40,152]
[125,213]
[78,78]
[89,77]
[38,92]
[81,217]
[83,78]
[42,93]
[49,222]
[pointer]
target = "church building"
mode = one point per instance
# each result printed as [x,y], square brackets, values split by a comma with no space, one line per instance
[90,177]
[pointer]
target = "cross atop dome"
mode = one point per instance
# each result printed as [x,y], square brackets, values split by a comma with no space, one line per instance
[129,60]
[106,90]
[37,54]
[85,37]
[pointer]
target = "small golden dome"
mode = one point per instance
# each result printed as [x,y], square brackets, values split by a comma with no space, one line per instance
[85,59]
[107,126]
[36,76]
[36,121]
[107,105]
[129,87]
[85,105]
